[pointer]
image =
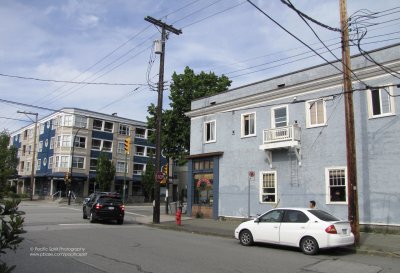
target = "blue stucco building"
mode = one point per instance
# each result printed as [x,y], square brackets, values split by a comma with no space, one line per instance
[289,131]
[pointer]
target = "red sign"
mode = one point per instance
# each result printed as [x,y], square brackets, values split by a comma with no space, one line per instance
[159,176]
[252,173]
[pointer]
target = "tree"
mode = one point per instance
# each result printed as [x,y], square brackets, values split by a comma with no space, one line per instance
[148,179]
[175,138]
[105,172]
[10,229]
[8,160]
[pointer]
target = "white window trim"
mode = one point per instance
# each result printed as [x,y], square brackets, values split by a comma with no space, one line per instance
[261,187]
[273,115]
[125,165]
[136,172]
[205,131]
[119,145]
[148,149]
[84,162]
[242,124]
[38,164]
[50,163]
[392,104]
[144,150]
[308,114]
[140,135]
[327,191]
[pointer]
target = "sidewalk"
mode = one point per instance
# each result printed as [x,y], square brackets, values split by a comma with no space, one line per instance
[371,243]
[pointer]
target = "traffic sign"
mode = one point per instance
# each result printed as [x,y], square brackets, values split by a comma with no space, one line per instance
[252,173]
[159,176]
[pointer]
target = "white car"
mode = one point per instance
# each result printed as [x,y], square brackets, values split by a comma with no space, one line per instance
[309,229]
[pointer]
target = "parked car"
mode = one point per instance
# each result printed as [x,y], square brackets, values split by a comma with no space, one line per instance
[103,206]
[309,229]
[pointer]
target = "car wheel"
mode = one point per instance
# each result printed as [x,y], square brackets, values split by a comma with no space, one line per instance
[92,219]
[120,221]
[309,246]
[84,214]
[246,238]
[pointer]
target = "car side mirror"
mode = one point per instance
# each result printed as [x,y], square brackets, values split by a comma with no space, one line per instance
[257,220]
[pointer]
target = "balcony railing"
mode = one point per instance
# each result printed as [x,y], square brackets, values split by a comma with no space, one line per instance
[282,134]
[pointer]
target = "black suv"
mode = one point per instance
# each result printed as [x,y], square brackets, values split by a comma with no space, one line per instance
[104,206]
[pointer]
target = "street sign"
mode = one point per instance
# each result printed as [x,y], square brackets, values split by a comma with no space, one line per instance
[159,176]
[252,173]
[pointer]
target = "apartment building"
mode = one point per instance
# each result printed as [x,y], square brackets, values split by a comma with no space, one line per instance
[70,141]
[282,142]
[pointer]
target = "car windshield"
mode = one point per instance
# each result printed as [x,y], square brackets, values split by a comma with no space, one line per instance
[323,215]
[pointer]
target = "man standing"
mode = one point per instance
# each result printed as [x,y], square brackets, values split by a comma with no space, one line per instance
[312,204]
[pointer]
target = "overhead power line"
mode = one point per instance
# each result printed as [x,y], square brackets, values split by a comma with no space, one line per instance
[72,82]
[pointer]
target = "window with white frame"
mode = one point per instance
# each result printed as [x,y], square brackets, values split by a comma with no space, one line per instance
[40,146]
[50,162]
[80,121]
[123,129]
[138,169]
[38,164]
[140,132]
[336,183]
[279,116]
[62,161]
[64,141]
[96,144]
[22,166]
[121,147]
[248,124]
[29,149]
[28,166]
[93,164]
[68,120]
[97,124]
[139,150]
[151,152]
[120,167]
[268,187]
[44,161]
[107,146]
[316,113]
[78,162]
[108,126]
[46,143]
[210,131]
[41,128]
[80,142]
[52,143]
[381,102]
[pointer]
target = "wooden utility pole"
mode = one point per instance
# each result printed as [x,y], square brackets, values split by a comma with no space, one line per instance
[350,131]
[164,27]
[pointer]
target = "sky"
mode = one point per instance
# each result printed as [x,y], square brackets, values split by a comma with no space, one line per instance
[99,54]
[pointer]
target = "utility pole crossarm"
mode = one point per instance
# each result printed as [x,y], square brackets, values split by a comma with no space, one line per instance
[163,25]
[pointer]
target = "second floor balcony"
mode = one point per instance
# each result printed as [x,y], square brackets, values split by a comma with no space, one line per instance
[281,137]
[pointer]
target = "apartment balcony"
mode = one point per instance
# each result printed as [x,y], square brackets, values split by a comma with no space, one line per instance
[287,137]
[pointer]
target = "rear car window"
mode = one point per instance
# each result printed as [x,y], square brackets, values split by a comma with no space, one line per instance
[109,199]
[323,215]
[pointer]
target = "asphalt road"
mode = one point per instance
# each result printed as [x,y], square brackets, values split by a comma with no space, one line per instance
[59,240]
